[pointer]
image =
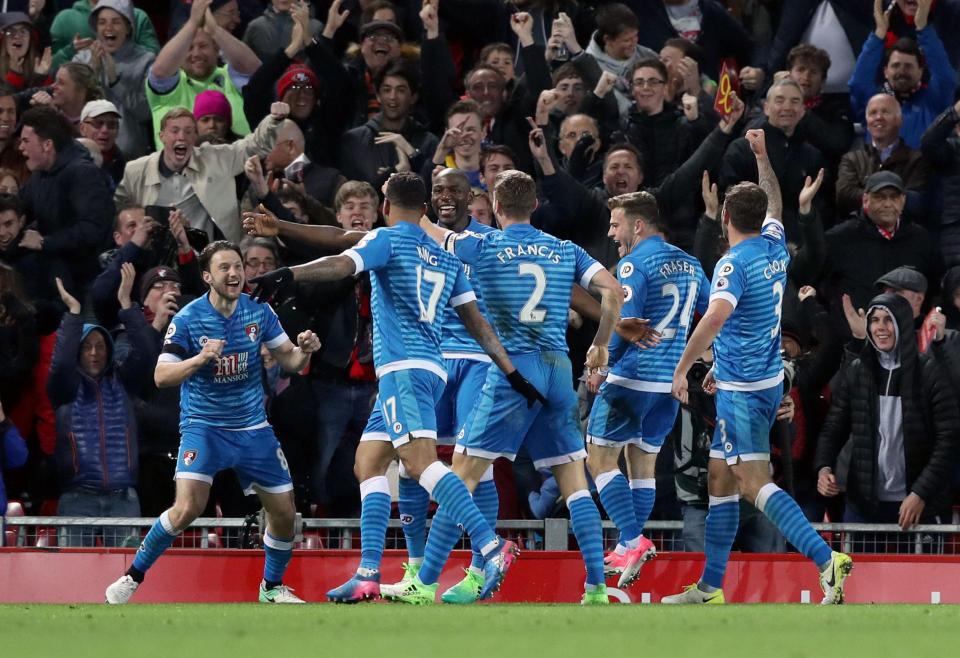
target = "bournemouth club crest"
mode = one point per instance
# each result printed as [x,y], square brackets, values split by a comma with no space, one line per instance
[189,456]
[252,330]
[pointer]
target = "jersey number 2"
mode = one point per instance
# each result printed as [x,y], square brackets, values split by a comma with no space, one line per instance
[429,312]
[530,314]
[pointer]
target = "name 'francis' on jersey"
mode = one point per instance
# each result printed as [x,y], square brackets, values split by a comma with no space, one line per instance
[665,284]
[527,277]
[752,276]
[412,282]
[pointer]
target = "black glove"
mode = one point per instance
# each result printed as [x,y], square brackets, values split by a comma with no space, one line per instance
[266,286]
[519,383]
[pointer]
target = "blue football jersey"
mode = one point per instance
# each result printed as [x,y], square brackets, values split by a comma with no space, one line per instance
[752,276]
[456,342]
[228,391]
[665,284]
[413,281]
[527,277]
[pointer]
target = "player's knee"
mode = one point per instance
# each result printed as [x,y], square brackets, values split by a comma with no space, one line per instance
[185,511]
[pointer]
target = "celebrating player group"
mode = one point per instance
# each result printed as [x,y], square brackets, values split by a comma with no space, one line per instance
[469,327]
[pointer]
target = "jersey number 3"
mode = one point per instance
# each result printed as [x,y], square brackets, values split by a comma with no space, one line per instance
[429,311]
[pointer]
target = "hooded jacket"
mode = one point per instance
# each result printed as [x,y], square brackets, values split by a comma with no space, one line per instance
[96,430]
[879,391]
[133,63]
[76,20]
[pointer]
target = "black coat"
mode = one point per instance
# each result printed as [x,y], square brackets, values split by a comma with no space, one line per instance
[374,163]
[858,255]
[941,147]
[792,159]
[576,213]
[666,140]
[73,209]
[931,420]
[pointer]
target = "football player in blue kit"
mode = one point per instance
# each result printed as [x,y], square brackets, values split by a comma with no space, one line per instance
[212,351]
[634,409]
[742,323]
[413,281]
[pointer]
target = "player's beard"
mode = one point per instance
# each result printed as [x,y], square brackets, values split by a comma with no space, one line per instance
[225,292]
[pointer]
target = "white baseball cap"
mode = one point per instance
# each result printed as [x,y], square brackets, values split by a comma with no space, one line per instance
[97,108]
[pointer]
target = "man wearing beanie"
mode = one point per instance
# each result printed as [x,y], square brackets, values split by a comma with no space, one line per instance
[214,115]
[274,27]
[187,65]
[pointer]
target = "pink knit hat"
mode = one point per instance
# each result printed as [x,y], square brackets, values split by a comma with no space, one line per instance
[212,102]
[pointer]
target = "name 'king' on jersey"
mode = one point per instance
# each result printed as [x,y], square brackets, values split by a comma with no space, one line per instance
[227,392]
[752,276]
[527,277]
[455,341]
[665,284]
[412,282]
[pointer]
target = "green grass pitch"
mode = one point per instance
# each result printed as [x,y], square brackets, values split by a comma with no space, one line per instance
[491,631]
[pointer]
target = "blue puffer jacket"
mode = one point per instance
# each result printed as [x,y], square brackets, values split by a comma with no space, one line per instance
[13,454]
[96,426]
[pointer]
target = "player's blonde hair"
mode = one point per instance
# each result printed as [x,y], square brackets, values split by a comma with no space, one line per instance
[515,193]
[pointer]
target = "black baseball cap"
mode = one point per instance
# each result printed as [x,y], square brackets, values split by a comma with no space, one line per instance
[881,179]
[904,278]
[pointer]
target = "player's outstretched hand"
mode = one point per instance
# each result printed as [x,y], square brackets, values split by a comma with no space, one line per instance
[679,387]
[639,332]
[709,383]
[597,358]
[261,223]
[266,286]
[308,342]
[520,384]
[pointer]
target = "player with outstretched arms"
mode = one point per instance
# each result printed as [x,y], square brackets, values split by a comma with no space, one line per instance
[212,352]
[634,410]
[527,277]
[413,281]
[742,323]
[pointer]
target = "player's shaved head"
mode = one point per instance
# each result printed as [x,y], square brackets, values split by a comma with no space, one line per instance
[450,198]
[405,190]
[452,174]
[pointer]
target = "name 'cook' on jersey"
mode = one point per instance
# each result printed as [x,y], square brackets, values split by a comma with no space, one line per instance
[752,276]
[665,284]
[412,282]
[527,277]
[227,392]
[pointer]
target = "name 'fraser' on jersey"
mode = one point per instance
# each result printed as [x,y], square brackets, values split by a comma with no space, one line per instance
[752,276]
[665,284]
[526,276]
[412,282]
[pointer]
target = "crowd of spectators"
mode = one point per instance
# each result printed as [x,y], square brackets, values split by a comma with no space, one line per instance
[132,136]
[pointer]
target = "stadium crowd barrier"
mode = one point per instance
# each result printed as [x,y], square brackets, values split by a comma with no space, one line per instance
[203,567]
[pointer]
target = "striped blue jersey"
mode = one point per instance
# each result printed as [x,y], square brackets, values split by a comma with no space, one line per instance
[665,284]
[456,342]
[412,281]
[228,391]
[527,277]
[752,276]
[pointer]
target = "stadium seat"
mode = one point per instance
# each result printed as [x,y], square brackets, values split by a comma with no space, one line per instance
[14,508]
[46,537]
